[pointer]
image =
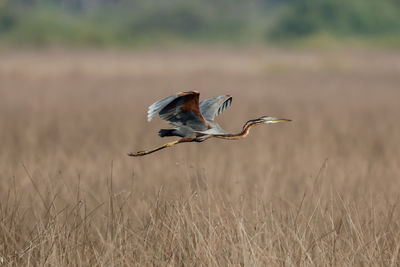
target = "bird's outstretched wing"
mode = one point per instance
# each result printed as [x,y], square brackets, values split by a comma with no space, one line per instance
[181,109]
[212,107]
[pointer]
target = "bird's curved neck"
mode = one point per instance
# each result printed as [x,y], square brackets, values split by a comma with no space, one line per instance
[245,131]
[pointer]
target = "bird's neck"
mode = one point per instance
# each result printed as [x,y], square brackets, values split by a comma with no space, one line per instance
[245,131]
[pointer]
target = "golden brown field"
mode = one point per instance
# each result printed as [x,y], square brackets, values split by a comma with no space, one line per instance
[322,190]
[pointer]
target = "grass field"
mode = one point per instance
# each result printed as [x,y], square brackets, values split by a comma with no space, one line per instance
[322,190]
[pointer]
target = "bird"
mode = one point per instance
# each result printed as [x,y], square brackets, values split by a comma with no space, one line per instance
[193,121]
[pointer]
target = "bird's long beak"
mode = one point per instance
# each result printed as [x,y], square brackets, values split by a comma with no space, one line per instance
[276,120]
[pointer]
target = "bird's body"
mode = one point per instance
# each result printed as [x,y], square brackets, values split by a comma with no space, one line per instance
[193,121]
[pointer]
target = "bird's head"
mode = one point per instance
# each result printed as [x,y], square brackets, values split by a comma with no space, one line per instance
[261,120]
[269,119]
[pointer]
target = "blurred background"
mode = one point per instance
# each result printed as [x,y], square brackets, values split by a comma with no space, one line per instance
[77,77]
[132,23]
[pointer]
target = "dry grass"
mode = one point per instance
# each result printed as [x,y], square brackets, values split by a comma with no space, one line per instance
[323,190]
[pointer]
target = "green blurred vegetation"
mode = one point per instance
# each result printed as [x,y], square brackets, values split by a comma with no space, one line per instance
[340,18]
[152,22]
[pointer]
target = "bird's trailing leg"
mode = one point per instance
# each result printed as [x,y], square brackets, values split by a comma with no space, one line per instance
[142,153]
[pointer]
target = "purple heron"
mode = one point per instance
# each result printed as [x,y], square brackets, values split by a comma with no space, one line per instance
[194,121]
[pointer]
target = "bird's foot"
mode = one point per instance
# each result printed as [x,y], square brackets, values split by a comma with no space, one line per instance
[140,153]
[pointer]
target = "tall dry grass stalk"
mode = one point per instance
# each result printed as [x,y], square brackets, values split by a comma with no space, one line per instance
[323,190]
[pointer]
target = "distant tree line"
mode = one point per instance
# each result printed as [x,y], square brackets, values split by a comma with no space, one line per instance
[339,17]
[131,22]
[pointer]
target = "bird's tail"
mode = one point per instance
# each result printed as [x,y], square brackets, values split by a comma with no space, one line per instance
[167,132]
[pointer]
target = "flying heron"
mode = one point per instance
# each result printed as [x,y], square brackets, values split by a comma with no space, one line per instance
[194,121]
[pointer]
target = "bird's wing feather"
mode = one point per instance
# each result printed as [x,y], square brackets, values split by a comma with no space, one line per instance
[180,109]
[212,107]
[156,107]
